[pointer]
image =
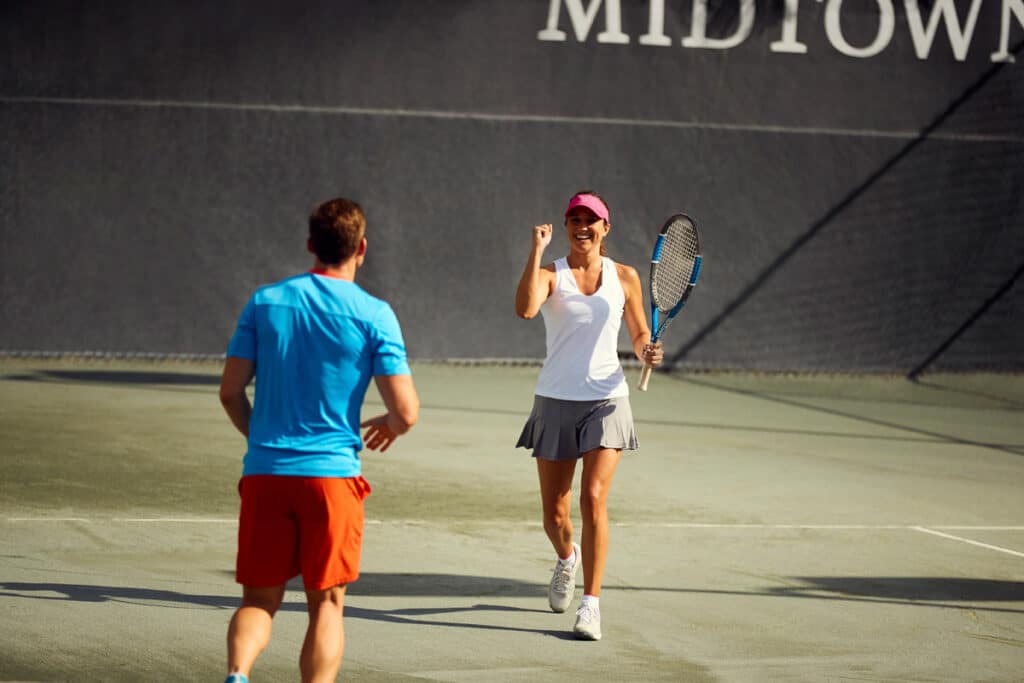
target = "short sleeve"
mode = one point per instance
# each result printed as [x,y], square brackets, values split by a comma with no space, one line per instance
[389,348]
[243,341]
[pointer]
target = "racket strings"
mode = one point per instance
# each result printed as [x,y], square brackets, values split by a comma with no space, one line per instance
[671,277]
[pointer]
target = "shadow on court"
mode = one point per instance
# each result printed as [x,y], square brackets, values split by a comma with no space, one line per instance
[175,600]
[1008,402]
[916,588]
[806,404]
[129,377]
[932,592]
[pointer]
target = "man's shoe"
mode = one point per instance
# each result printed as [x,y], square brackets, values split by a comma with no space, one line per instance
[563,582]
[588,623]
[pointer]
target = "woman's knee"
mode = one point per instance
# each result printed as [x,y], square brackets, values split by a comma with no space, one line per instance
[593,501]
[556,517]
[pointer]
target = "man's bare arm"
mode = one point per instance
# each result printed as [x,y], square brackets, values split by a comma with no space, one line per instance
[238,372]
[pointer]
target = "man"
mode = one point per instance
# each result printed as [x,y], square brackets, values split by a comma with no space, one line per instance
[312,342]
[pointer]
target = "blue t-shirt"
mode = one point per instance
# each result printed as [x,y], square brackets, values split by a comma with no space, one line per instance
[315,341]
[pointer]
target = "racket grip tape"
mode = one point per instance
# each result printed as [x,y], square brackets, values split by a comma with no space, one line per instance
[645,376]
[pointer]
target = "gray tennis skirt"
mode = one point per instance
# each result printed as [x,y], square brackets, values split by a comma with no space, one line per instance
[565,430]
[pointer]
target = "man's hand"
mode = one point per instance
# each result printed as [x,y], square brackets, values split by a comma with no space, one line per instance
[379,436]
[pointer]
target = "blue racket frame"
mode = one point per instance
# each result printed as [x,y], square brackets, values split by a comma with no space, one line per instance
[656,258]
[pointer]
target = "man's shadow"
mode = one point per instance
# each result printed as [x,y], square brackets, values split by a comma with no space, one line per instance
[369,584]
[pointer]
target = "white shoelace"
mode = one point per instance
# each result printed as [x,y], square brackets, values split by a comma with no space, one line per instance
[564,575]
[586,614]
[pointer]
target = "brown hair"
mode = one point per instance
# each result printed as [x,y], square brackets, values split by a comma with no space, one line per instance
[335,230]
[604,252]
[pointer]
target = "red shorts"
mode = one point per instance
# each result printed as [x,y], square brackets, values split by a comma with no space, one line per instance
[300,525]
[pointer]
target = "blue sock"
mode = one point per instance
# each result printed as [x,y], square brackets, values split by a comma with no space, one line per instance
[236,678]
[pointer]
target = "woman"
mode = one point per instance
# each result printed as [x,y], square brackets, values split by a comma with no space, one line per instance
[581,409]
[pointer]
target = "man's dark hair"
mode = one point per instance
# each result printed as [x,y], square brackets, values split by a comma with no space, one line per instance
[335,230]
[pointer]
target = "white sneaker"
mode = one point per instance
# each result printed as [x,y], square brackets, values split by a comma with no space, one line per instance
[563,582]
[588,623]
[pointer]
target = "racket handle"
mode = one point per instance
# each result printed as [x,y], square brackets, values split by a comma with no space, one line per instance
[645,375]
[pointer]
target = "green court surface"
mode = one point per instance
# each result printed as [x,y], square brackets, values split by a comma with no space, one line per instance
[770,528]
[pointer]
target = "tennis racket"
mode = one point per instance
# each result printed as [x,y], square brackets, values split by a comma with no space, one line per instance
[675,267]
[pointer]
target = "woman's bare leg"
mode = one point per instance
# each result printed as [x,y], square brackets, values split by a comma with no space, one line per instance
[556,501]
[598,470]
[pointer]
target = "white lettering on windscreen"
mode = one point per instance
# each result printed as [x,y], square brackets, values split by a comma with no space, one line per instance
[923,29]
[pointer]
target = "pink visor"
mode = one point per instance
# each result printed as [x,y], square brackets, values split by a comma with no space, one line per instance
[589,201]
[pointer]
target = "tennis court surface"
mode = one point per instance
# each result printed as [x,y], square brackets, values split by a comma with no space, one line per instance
[771,528]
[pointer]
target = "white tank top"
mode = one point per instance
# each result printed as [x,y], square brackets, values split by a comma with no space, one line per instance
[582,334]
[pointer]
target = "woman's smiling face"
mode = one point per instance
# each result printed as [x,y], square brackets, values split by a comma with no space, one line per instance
[585,230]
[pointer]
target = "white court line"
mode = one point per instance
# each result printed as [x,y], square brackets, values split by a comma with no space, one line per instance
[95,520]
[47,519]
[838,527]
[524,118]
[173,520]
[504,523]
[977,528]
[967,540]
